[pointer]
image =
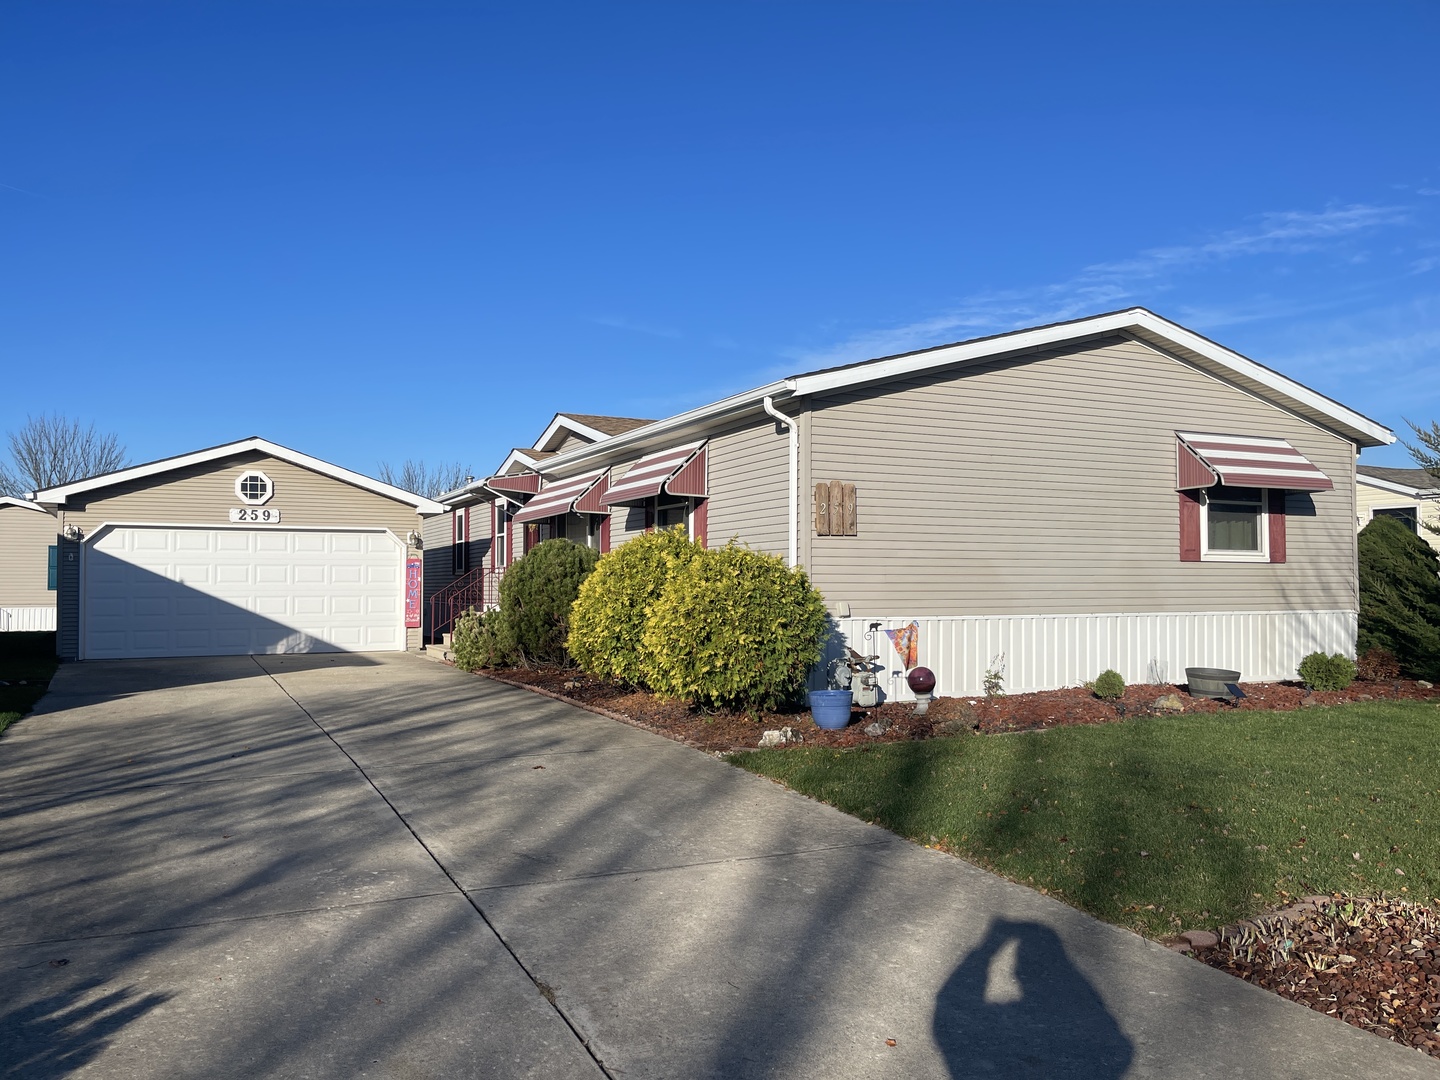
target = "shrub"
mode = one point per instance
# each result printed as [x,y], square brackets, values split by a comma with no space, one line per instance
[1321,672]
[734,628]
[1109,685]
[994,680]
[1377,664]
[480,641]
[536,595]
[607,623]
[1400,597]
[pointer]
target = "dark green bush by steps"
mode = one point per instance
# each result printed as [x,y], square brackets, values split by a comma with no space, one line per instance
[1321,672]
[536,595]
[1109,685]
[734,628]
[1400,597]
[607,623]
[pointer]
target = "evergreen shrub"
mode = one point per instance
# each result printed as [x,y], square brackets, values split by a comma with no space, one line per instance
[734,628]
[479,641]
[1400,597]
[1109,685]
[1321,672]
[607,623]
[536,595]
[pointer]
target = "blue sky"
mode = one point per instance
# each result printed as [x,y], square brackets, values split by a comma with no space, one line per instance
[374,231]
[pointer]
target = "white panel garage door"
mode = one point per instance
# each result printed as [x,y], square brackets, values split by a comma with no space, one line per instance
[160,591]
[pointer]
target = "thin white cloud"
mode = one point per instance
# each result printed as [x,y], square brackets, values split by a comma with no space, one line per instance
[617,322]
[1109,285]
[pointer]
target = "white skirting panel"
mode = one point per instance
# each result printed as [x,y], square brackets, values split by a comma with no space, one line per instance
[27,618]
[1045,652]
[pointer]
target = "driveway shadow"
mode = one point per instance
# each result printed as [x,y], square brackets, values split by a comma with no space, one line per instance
[59,1034]
[1016,1007]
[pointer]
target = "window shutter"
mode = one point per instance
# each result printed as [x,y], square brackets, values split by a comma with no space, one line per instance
[700,522]
[822,509]
[605,534]
[1277,525]
[1189,527]
[53,582]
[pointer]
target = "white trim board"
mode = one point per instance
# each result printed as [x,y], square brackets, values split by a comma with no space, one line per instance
[56,496]
[24,504]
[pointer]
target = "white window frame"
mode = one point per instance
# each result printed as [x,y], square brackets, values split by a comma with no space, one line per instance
[459,549]
[1261,556]
[240,488]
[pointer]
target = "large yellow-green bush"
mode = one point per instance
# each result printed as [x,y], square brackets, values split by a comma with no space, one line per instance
[734,628]
[608,620]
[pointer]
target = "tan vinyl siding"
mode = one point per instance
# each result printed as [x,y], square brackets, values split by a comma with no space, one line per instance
[626,522]
[1046,484]
[203,494]
[26,537]
[749,494]
[1369,499]
[572,442]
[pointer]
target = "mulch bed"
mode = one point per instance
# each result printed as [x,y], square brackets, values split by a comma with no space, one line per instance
[723,731]
[1374,962]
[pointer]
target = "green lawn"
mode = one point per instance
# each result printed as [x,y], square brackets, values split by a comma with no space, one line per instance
[1164,824]
[30,657]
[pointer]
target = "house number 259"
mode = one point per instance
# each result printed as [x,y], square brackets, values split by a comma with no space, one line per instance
[261,515]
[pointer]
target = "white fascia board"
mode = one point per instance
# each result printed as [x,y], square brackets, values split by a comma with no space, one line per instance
[56,496]
[517,457]
[562,422]
[1398,489]
[613,448]
[1130,320]
[25,504]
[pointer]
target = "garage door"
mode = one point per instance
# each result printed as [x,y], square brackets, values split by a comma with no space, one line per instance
[161,591]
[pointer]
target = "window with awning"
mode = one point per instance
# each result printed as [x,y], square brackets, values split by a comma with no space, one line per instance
[1244,461]
[560,497]
[680,472]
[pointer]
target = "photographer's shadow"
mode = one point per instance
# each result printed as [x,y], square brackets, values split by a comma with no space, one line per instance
[1016,1007]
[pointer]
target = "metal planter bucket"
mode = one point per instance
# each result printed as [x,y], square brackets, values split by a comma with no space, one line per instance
[1210,681]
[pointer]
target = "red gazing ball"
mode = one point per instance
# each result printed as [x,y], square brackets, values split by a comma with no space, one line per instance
[921,680]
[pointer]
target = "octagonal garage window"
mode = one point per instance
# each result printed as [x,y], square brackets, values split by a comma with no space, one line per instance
[254,488]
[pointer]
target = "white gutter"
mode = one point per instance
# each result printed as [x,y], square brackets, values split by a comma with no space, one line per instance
[789,423]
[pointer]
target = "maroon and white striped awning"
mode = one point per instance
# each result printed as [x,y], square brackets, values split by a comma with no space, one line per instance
[1245,461]
[680,471]
[558,497]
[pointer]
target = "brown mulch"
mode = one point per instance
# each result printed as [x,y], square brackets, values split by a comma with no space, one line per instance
[1374,962]
[719,731]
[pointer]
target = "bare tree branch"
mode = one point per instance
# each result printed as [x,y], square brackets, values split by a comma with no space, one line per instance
[52,450]
[1427,455]
[427,480]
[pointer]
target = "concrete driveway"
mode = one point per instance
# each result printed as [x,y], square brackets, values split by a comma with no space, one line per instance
[379,867]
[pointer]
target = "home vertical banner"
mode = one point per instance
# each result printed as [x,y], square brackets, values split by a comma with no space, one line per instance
[412,590]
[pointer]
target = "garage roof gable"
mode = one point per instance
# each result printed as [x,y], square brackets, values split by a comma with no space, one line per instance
[56,496]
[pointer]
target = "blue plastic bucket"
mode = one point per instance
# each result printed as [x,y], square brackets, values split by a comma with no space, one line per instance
[831,708]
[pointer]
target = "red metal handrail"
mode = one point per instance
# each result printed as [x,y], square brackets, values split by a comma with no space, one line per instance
[479,589]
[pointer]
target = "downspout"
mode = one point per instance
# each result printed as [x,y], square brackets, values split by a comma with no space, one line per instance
[794,477]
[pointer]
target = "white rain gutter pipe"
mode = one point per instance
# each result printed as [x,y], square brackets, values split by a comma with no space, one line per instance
[789,423]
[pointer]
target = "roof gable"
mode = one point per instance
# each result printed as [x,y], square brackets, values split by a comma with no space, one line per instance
[7,501]
[57,496]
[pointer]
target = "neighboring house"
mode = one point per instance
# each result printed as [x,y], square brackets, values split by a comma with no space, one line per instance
[27,566]
[1111,492]
[1411,495]
[248,547]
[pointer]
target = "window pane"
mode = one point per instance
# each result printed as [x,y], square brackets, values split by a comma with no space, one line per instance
[1234,527]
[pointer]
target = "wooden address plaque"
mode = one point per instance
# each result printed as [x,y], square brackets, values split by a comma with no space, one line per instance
[834,509]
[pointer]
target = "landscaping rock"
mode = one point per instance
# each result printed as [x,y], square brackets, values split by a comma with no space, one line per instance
[878,728]
[1201,939]
[1423,685]
[1168,703]
[779,737]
